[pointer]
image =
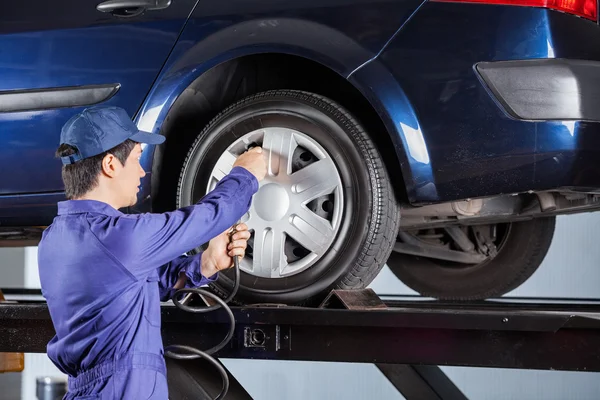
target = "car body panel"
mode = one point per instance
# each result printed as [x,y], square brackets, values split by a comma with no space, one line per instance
[382,90]
[66,43]
[216,33]
[474,147]
[414,61]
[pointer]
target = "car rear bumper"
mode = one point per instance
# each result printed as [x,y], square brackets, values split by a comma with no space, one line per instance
[545,89]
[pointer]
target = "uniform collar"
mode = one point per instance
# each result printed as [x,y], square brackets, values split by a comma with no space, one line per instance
[86,206]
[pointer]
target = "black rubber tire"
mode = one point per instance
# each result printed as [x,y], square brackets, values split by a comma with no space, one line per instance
[519,257]
[370,221]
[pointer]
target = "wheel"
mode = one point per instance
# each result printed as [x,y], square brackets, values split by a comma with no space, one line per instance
[501,257]
[324,217]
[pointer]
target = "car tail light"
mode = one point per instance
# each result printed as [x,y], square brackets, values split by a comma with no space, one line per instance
[584,8]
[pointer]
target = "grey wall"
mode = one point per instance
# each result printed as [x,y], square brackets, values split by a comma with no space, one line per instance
[572,266]
[12,274]
[12,267]
[292,380]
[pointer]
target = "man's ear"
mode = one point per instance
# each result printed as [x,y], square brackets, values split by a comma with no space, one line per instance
[110,165]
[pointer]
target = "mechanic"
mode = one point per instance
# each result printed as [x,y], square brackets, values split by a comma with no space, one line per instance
[104,273]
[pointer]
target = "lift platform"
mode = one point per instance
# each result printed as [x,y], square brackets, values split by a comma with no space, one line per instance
[407,338]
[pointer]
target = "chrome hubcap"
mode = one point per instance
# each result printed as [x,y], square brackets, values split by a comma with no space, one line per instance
[272,202]
[295,215]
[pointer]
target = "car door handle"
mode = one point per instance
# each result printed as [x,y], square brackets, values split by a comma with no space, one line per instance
[131,8]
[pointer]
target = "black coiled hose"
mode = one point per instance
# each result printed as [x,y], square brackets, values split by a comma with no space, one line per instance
[181,352]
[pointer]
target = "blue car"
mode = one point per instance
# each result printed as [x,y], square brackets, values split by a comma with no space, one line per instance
[439,137]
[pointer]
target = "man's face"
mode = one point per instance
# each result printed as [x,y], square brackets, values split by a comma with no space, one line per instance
[129,177]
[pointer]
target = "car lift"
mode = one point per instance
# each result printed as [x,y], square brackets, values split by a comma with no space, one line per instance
[406,338]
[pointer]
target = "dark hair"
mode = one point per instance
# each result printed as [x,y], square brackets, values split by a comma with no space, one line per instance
[82,176]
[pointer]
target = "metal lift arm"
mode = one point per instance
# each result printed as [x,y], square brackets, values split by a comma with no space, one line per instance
[406,339]
[487,334]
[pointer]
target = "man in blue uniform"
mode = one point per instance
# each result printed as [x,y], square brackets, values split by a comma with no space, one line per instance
[103,273]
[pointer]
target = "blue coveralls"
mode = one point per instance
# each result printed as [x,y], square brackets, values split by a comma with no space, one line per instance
[103,274]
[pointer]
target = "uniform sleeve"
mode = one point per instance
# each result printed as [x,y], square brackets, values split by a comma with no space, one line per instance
[169,273]
[143,243]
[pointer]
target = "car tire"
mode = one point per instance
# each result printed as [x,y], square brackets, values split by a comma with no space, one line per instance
[520,255]
[368,218]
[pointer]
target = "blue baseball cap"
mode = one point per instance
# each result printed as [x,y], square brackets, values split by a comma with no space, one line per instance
[99,129]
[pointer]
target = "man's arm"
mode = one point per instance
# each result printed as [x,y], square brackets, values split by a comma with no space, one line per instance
[145,242]
[199,269]
[183,272]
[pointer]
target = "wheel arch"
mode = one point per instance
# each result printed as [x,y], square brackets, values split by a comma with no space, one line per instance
[401,121]
[189,107]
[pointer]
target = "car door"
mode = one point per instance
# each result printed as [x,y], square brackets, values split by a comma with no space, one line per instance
[58,57]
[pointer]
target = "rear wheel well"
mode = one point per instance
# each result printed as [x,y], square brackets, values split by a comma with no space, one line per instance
[233,80]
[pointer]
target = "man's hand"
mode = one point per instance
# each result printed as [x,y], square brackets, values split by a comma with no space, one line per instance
[254,161]
[220,252]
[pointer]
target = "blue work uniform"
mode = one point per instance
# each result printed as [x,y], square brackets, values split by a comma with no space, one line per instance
[103,274]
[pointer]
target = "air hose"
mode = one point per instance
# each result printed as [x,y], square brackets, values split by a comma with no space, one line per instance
[181,352]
